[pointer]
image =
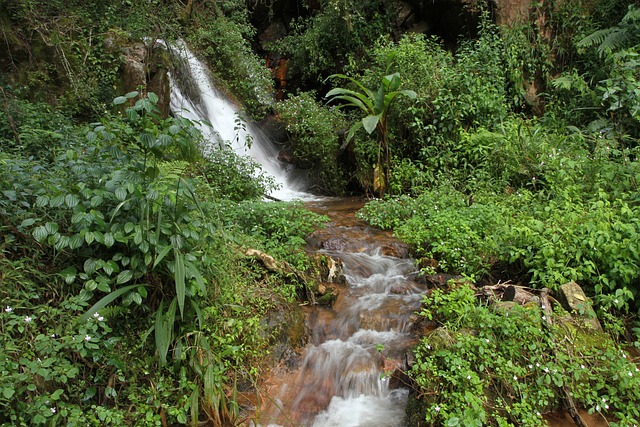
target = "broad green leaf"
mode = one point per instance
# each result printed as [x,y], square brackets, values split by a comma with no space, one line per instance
[90,265]
[121,193]
[40,233]
[28,222]
[51,227]
[370,123]
[71,200]
[132,94]
[124,276]
[109,240]
[153,97]
[119,100]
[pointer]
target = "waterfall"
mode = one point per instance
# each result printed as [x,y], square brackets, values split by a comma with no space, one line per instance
[193,96]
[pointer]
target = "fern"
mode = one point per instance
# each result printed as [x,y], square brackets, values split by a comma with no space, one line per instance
[612,39]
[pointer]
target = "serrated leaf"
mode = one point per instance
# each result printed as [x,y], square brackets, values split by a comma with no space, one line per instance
[124,277]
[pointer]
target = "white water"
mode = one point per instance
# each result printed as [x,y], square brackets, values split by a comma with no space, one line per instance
[193,96]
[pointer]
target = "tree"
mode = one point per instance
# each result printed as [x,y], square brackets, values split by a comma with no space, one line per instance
[376,105]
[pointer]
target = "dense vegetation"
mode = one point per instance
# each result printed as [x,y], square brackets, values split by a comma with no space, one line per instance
[126,293]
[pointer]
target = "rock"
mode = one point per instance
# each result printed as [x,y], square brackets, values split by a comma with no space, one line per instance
[334,244]
[574,300]
[395,250]
[134,71]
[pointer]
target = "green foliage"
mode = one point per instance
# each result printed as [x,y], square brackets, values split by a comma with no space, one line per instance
[510,368]
[376,105]
[354,26]
[315,139]
[130,218]
[225,43]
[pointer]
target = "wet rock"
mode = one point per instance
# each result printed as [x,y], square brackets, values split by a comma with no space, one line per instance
[574,300]
[334,244]
[395,250]
[327,295]
[286,156]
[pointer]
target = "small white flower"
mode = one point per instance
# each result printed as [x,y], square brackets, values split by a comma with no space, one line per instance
[100,319]
[87,338]
[546,370]
[615,300]
[437,408]
[8,309]
[487,340]
[28,319]
[53,335]
[606,406]
[582,366]
[428,347]
[537,365]
[604,400]
[96,314]
[530,366]
[468,377]
[630,374]
[624,355]
[53,410]
[538,413]
[515,378]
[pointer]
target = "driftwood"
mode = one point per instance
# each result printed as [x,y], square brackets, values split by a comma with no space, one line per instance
[507,292]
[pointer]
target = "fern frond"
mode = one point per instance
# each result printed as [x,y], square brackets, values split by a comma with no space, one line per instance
[594,39]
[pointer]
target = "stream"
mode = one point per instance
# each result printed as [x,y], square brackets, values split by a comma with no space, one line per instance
[350,374]
[347,375]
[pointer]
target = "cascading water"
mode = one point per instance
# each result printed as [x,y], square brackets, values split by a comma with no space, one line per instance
[344,377]
[194,97]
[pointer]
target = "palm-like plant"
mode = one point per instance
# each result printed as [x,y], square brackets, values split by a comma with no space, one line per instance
[375,104]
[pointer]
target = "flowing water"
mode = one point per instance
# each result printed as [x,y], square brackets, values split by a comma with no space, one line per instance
[348,375]
[194,97]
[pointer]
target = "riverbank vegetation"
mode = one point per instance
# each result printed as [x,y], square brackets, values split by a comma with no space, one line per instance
[126,295]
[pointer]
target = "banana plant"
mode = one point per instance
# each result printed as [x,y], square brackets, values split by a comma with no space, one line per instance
[375,104]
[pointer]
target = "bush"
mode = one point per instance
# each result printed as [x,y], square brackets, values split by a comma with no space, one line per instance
[510,368]
[315,139]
